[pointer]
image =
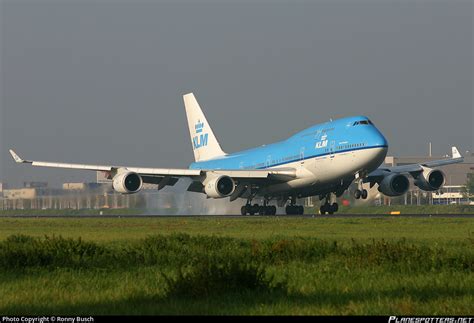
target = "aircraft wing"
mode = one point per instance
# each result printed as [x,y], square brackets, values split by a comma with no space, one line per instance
[381,172]
[169,176]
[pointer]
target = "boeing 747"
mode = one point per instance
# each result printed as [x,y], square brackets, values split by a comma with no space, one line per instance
[323,160]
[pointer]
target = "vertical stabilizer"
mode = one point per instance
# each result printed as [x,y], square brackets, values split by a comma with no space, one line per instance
[455,152]
[205,144]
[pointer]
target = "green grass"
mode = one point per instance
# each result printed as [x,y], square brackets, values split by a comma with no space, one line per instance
[241,266]
[429,229]
[314,289]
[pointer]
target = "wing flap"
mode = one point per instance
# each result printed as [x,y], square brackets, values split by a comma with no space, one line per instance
[275,173]
[165,171]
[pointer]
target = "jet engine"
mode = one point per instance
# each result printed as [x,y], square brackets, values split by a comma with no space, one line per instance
[127,182]
[394,185]
[219,186]
[430,179]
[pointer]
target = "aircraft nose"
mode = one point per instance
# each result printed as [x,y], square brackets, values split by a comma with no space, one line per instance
[379,138]
[382,140]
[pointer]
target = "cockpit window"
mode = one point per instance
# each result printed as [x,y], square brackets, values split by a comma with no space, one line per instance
[366,122]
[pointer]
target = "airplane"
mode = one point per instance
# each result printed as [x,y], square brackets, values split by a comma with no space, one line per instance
[322,160]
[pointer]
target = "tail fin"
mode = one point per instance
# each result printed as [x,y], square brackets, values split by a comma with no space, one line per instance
[205,144]
[455,152]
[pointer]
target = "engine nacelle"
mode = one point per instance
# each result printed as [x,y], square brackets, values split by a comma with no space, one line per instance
[394,185]
[127,182]
[220,186]
[430,179]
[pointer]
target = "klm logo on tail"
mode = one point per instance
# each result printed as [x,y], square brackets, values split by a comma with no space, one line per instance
[201,139]
[204,142]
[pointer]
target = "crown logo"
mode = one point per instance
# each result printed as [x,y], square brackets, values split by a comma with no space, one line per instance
[199,126]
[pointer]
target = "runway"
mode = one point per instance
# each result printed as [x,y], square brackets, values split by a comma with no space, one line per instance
[342,216]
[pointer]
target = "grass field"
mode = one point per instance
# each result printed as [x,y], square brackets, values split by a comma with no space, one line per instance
[231,265]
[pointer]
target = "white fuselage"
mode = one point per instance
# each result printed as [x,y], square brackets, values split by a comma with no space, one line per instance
[327,171]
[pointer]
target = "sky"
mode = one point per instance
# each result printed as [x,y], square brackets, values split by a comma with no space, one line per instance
[102,81]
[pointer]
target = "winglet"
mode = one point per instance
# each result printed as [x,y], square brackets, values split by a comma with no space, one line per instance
[16,157]
[455,152]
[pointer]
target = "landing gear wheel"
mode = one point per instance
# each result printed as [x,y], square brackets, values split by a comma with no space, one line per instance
[357,194]
[251,209]
[273,210]
[364,194]
[294,209]
[322,209]
[243,210]
[326,208]
[333,208]
[254,209]
[329,208]
[268,210]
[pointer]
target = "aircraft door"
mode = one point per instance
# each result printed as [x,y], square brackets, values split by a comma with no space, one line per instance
[317,147]
[268,162]
[302,156]
[332,149]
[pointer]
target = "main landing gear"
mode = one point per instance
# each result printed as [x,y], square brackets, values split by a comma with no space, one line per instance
[330,206]
[258,209]
[293,209]
[264,209]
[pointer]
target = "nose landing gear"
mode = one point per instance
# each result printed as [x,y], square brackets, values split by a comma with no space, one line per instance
[360,192]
